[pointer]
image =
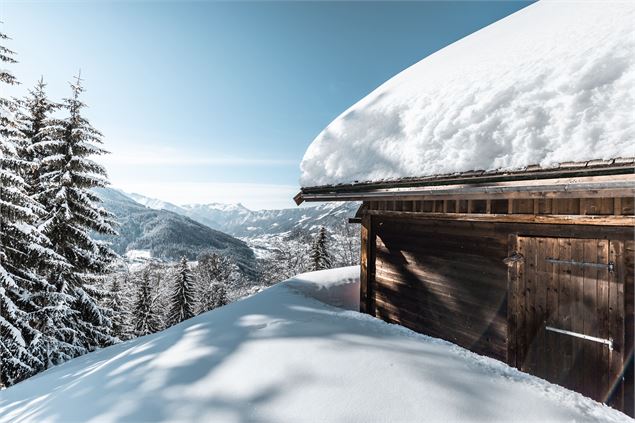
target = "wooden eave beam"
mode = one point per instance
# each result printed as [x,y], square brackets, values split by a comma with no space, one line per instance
[574,170]
[579,187]
[610,220]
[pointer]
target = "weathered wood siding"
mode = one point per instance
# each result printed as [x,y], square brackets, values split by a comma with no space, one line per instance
[447,281]
[427,268]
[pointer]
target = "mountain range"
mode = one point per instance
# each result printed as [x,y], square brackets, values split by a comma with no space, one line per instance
[168,231]
[168,235]
[239,221]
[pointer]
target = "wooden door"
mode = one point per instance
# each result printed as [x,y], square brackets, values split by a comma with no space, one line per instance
[567,313]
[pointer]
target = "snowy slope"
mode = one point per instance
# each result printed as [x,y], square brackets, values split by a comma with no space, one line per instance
[552,83]
[283,356]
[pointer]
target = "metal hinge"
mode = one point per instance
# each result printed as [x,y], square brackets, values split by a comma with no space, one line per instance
[610,265]
[608,342]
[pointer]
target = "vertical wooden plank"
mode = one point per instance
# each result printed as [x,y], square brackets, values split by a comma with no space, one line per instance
[616,323]
[628,206]
[470,205]
[488,206]
[510,206]
[540,305]
[565,312]
[363,261]
[587,207]
[617,206]
[512,301]
[530,305]
[524,206]
[521,323]
[602,311]
[372,263]
[607,206]
[536,206]
[544,206]
[577,314]
[445,206]
[629,328]
[438,206]
[553,355]
[589,317]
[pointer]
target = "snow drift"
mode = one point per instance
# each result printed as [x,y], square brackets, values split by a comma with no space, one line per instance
[283,356]
[552,83]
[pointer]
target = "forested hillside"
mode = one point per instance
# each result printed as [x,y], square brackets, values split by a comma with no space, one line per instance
[168,235]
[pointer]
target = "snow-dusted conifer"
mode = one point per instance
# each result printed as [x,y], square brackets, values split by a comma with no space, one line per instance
[216,296]
[48,308]
[21,245]
[73,212]
[320,257]
[37,126]
[214,274]
[144,316]
[118,304]
[182,299]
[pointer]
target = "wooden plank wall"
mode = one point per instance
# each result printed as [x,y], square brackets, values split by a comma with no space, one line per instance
[629,328]
[446,278]
[447,281]
[619,206]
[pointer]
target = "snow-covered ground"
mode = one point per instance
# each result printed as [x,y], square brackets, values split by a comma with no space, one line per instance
[284,356]
[551,83]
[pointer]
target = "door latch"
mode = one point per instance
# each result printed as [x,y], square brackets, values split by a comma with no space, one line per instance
[516,257]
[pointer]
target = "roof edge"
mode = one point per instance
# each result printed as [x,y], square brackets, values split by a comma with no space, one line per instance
[587,168]
[567,176]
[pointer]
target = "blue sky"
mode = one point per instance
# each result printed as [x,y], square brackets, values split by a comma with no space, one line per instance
[217,101]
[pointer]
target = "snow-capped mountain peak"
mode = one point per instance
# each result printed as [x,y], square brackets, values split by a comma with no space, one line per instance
[239,221]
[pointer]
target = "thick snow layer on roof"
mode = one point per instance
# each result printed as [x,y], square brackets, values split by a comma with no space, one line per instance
[552,83]
[283,356]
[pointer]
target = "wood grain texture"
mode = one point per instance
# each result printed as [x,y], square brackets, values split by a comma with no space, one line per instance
[445,276]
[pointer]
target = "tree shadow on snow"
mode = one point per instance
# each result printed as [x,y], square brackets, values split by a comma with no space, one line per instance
[165,376]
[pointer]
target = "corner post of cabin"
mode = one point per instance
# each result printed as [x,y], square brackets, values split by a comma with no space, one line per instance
[512,298]
[364,296]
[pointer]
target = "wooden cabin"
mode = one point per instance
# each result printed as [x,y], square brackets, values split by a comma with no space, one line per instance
[533,267]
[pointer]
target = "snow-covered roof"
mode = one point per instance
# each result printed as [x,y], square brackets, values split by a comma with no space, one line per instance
[285,355]
[552,83]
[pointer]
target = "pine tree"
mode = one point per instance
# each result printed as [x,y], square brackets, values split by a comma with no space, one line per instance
[117,303]
[73,212]
[48,308]
[216,296]
[320,257]
[214,274]
[37,127]
[19,243]
[144,316]
[182,299]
